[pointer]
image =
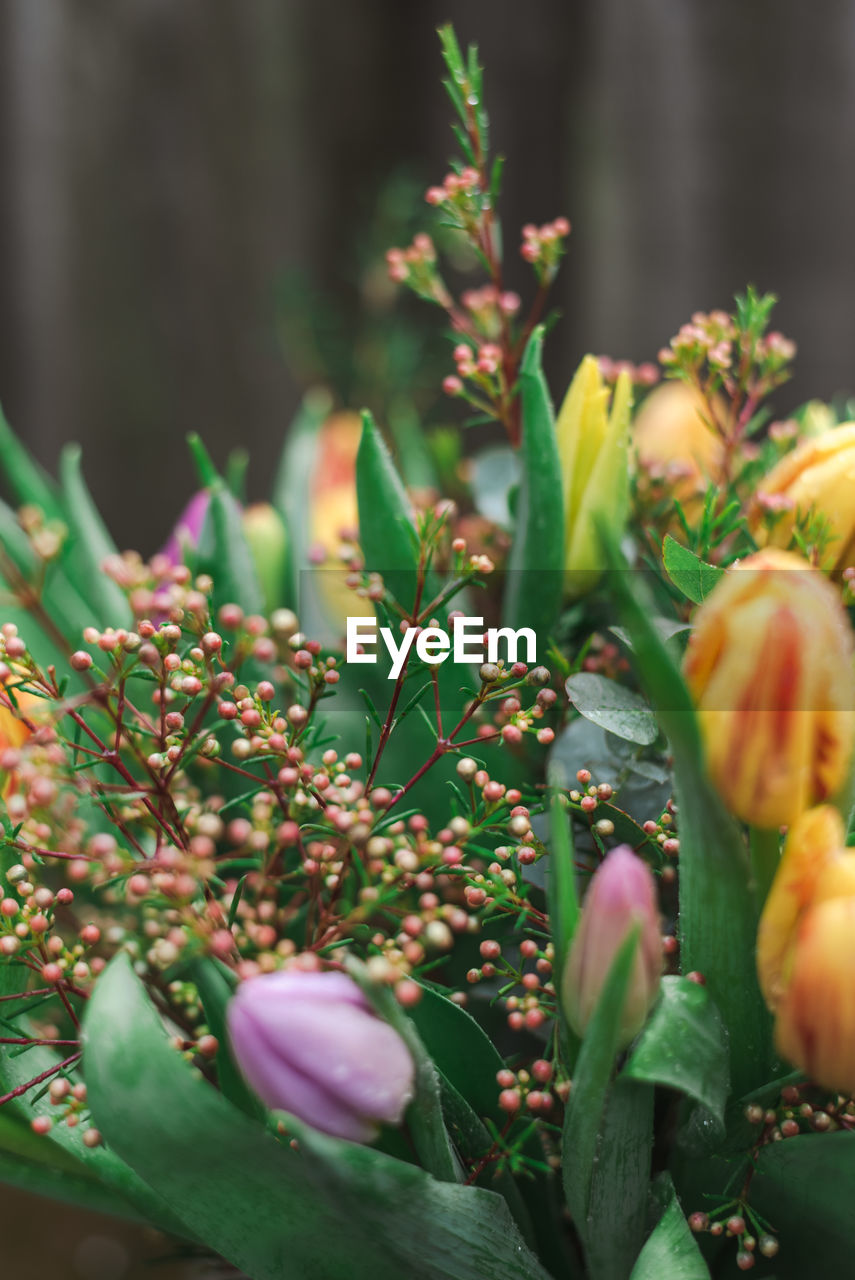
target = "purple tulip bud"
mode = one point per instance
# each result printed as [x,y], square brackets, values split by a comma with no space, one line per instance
[621,895]
[188,527]
[309,1043]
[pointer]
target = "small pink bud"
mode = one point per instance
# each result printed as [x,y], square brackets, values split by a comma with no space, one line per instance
[622,894]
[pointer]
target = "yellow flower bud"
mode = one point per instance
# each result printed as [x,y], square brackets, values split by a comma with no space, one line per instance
[769,666]
[674,442]
[815,1024]
[806,950]
[593,440]
[817,478]
[813,845]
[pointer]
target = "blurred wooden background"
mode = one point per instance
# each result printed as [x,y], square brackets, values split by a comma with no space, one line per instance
[163,162]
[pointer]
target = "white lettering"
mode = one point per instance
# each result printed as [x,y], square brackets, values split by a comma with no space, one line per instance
[433,639]
[461,653]
[495,634]
[360,631]
[397,653]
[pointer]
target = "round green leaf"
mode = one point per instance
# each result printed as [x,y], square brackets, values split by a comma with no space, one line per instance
[613,707]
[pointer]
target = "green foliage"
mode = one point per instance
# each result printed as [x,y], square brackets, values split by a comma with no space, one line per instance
[585,1119]
[535,575]
[688,572]
[684,1047]
[671,1252]
[386,529]
[333,1207]
[612,706]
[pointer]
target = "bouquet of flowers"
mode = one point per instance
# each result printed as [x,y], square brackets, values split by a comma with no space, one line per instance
[446,874]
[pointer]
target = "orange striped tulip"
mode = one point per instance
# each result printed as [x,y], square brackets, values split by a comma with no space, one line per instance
[770,668]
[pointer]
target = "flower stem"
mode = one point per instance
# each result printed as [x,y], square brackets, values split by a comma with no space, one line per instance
[765,846]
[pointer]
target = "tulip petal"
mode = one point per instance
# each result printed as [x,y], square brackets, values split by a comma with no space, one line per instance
[283,1088]
[358,1057]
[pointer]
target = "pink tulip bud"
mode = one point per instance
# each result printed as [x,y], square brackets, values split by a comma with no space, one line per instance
[188,527]
[309,1043]
[621,895]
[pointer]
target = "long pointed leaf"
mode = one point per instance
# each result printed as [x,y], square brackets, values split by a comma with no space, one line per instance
[89,546]
[536,570]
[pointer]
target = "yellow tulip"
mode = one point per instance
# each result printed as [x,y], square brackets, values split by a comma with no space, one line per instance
[593,443]
[806,950]
[769,666]
[814,844]
[815,1023]
[674,442]
[817,478]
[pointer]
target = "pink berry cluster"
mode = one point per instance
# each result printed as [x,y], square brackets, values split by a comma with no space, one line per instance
[544,247]
[641,375]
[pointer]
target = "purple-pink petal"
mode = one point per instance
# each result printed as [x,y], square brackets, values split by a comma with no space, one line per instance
[188,527]
[308,1043]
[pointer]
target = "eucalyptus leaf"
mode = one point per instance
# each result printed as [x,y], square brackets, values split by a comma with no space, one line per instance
[612,706]
[494,472]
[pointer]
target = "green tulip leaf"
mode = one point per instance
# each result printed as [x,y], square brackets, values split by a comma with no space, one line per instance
[461,1050]
[61,601]
[671,1251]
[584,1120]
[292,495]
[88,546]
[215,984]
[225,554]
[563,897]
[691,575]
[424,1116]
[330,1208]
[804,1188]
[387,533]
[29,483]
[612,706]
[58,1163]
[620,1176]
[684,1046]
[536,570]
